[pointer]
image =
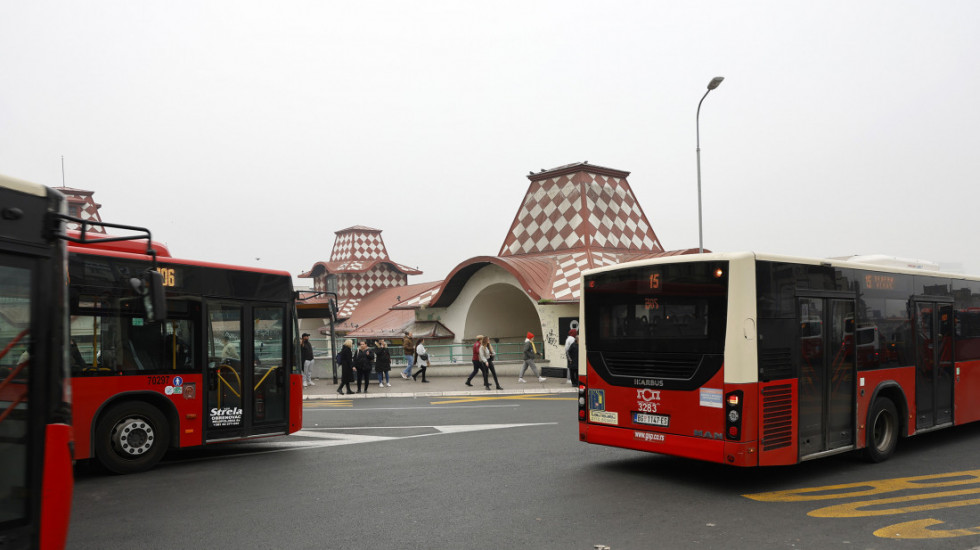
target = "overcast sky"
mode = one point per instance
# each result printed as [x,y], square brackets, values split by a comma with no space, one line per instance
[249,132]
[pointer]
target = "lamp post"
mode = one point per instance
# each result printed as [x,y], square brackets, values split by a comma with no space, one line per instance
[711,86]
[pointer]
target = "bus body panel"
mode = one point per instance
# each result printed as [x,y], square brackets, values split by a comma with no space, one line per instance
[296,405]
[870,383]
[966,390]
[94,394]
[57,486]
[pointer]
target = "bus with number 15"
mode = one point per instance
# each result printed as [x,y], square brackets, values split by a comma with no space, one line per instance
[758,360]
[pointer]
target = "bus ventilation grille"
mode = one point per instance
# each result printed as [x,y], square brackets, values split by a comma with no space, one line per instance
[775,364]
[777,416]
[670,366]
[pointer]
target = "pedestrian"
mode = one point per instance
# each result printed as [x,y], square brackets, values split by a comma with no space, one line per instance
[421,359]
[529,352]
[492,354]
[346,360]
[572,354]
[307,352]
[479,365]
[382,363]
[408,347]
[362,364]
[228,350]
[572,336]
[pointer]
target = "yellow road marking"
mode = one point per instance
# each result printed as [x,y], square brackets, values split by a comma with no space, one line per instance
[919,529]
[330,404]
[855,509]
[520,397]
[868,488]
[907,503]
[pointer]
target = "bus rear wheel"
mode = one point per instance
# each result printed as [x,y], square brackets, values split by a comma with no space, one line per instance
[131,437]
[882,430]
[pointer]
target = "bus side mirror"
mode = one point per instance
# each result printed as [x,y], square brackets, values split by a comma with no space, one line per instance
[150,286]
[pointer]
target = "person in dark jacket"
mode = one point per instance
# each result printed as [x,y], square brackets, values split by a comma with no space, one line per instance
[362,365]
[382,363]
[572,354]
[346,360]
[307,349]
[493,355]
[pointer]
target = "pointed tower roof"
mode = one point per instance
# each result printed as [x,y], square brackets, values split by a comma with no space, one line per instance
[579,206]
[574,217]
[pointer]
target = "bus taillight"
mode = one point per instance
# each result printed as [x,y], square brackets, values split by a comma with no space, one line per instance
[733,415]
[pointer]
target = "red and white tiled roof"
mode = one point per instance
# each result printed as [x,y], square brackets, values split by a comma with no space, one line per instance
[579,205]
[358,243]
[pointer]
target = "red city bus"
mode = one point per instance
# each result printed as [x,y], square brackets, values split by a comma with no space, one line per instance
[221,367]
[756,360]
[35,433]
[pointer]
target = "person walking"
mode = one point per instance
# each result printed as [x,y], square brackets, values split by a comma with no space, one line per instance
[382,363]
[529,352]
[408,347]
[307,353]
[421,359]
[479,365]
[492,354]
[572,355]
[346,360]
[362,364]
[572,336]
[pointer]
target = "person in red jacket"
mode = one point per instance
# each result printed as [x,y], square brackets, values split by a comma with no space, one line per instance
[478,363]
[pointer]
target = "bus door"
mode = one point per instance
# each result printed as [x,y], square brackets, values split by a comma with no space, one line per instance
[227,381]
[933,363]
[247,370]
[825,355]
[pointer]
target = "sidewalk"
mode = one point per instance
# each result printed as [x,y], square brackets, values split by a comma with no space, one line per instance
[443,381]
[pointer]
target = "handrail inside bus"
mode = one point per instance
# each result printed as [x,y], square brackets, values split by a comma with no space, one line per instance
[13,342]
[266,375]
[221,379]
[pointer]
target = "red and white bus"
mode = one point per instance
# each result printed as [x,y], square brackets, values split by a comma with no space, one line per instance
[755,360]
[35,433]
[221,367]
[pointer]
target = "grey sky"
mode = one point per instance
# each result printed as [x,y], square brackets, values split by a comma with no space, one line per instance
[240,130]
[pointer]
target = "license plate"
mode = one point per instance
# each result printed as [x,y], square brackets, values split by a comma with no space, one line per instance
[661,420]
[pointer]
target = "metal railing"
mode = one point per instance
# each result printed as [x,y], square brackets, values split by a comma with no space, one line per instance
[439,354]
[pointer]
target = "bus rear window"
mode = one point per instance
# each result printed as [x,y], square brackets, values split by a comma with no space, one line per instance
[678,308]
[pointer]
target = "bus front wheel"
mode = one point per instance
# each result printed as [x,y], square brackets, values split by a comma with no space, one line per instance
[882,430]
[131,437]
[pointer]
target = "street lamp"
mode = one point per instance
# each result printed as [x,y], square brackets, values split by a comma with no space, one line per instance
[711,86]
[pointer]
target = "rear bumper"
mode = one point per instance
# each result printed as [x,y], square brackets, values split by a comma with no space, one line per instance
[707,448]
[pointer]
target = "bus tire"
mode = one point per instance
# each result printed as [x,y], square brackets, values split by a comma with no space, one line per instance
[882,430]
[131,437]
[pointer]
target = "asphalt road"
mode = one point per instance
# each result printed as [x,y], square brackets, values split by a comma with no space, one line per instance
[508,472]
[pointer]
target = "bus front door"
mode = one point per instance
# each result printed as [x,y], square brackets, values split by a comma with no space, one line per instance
[225,410]
[933,364]
[826,375]
[248,374]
